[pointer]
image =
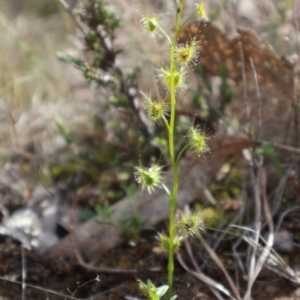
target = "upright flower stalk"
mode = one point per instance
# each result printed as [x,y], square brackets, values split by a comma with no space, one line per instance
[173,79]
[173,159]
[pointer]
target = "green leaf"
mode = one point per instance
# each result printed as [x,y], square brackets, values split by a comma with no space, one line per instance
[63,130]
[268,149]
[131,190]
[63,57]
[160,291]
[104,211]
[151,291]
[118,101]
[85,214]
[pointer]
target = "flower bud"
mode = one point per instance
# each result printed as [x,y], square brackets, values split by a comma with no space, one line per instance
[150,25]
[190,224]
[156,110]
[179,78]
[201,11]
[186,54]
[164,242]
[198,140]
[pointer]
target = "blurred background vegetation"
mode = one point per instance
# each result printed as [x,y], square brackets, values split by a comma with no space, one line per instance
[65,124]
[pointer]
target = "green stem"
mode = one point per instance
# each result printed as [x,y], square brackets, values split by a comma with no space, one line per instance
[180,153]
[175,179]
[164,33]
[178,16]
[174,163]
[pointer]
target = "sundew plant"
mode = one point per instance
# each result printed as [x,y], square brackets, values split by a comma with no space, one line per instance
[173,79]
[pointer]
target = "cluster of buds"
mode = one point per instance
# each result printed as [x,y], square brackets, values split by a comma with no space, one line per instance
[189,225]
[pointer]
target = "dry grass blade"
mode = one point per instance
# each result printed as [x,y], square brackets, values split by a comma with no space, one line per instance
[218,262]
[258,265]
[274,262]
[41,289]
[204,278]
